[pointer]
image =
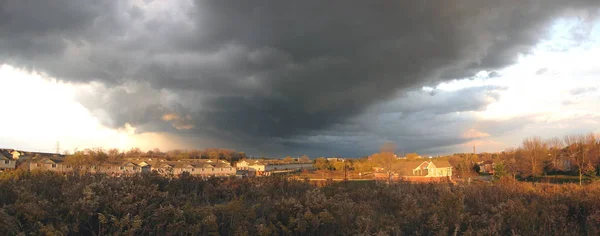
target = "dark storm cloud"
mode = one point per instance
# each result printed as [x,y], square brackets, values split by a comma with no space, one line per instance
[251,71]
[416,122]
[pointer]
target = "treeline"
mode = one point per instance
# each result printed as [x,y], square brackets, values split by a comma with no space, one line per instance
[52,204]
[577,155]
[98,155]
[573,154]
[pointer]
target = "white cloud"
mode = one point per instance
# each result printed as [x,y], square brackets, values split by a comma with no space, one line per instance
[38,111]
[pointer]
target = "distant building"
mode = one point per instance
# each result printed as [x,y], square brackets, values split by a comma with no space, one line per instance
[110,168]
[196,167]
[7,162]
[132,166]
[486,167]
[269,167]
[242,165]
[418,171]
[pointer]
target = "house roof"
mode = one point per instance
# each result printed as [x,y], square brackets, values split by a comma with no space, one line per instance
[4,157]
[441,163]
[46,160]
[183,165]
[406,167]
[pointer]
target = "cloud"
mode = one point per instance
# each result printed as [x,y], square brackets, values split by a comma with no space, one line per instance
[541,71]
[474,134]
[253,71]
[170,117]
[178,122]
[583,90]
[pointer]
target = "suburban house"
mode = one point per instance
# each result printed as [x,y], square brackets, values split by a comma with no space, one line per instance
[486,167]
[48,163]
[110,168]
[268,167]
[242,165]
[7,162]
[197,167]
[418,171]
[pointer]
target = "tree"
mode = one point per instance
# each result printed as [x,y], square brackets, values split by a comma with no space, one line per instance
[134,152]
[535,152]
[114,154]
[304,158]
[555,146]
[509,160]
[77,160]
[322,164]
[214,154]
[338,165]
[97,155]
[500,171]
[590,148]
[577,153]
[387,161]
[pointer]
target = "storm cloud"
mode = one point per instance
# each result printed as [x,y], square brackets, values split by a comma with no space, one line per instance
[261,72]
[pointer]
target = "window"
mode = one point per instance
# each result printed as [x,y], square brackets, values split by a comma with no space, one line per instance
[213,169]
[221,169]
[6,162]
[202,169]
[121,168]
[108,167]
[68,166]
[53,165]
[193,169]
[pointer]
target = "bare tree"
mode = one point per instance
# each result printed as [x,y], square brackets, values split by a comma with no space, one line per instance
[535,153]
[555,146]
[591,149]
[510,161]
[576,150]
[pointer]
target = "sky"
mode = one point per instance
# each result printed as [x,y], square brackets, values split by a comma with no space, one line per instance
[277,78]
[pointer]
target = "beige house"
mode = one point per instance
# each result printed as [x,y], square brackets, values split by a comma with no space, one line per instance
[132,166]
[115,169]
[242,165]
[418,171]
[7,163]
[268,167]
[196,167]
[51,164]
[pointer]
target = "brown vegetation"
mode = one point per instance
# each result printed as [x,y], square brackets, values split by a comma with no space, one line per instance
[48,203]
